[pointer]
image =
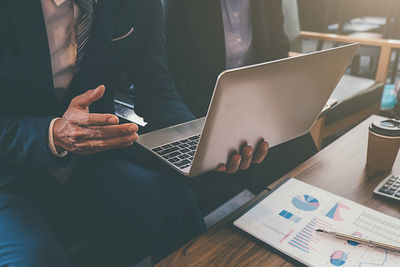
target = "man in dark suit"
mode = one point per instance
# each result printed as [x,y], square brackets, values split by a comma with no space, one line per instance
[47,132]
[52,127]
[207,37]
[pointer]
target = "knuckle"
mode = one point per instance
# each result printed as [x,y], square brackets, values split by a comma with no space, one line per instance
[97,134]
[248,152]
[92,134]
[237,158]
[73,141]
[75,134]
[75,99]
[127,142]
[265,146]
[134,137]
[104,119]
[102,144]
[128,130]
[69,115]
[85,120]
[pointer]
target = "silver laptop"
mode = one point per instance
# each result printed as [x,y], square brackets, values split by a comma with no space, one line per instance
[275,101]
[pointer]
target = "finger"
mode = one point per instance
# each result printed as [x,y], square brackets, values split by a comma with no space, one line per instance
[221,168]
[247,155]
[94,146]
[93,119]
[105,132]
[261,153]
[89,97]
[234,163]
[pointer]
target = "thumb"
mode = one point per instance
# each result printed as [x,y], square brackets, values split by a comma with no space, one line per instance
[89,97]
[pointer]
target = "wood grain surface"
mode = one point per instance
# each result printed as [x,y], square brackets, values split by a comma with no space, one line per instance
[339,168]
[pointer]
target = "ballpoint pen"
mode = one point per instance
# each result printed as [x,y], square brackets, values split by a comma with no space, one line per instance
[368,242]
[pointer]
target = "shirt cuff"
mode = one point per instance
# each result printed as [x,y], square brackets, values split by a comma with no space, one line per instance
[52,146]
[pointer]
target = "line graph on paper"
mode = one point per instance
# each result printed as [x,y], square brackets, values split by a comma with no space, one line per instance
[377,258]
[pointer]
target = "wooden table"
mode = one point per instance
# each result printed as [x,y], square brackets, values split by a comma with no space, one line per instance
[339,168]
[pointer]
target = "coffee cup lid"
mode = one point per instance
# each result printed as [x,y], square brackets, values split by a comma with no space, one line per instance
[388,127]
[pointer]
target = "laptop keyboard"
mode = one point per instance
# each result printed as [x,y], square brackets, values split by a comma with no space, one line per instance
[179,153]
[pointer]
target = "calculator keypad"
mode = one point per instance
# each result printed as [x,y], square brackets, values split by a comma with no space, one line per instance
[391,186]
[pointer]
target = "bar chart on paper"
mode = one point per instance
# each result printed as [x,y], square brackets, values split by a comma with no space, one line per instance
[306,239]
[288,217]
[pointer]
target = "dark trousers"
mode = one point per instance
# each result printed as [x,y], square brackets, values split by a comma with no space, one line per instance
[130,210]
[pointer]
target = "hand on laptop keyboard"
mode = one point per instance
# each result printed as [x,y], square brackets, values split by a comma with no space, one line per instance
[243,160]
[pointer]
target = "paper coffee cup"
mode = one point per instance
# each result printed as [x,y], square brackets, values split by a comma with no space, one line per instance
[382,151]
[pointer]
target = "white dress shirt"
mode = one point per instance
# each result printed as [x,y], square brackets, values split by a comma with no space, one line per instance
[236,15]
[61,17]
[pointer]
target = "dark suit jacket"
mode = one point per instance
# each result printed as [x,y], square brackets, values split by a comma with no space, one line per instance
[196,44]
[27,99]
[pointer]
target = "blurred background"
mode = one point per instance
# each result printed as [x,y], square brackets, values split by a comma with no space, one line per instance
[369,85]
[371,19]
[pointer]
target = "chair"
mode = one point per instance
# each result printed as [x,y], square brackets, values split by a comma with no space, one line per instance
[357,98]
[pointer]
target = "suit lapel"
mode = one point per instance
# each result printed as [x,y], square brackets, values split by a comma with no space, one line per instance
[30,28]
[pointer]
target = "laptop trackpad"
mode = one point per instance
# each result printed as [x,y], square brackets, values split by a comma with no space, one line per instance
[170,134]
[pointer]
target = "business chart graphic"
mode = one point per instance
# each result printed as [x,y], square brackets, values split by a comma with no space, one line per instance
[305,240]
[334,213]
[305,202]
[368,222]
[338,258]
[376,258]
[276,221]
[353,243]
[290,216]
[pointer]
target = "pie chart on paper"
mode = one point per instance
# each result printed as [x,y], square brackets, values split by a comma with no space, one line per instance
[305,202]
[338,258]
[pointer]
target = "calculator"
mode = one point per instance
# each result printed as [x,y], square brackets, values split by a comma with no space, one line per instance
[389,187]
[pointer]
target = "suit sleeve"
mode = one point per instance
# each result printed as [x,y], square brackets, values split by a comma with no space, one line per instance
[155,95]
[24,142]
[23,139]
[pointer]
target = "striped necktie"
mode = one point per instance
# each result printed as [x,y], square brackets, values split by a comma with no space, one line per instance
[83,29]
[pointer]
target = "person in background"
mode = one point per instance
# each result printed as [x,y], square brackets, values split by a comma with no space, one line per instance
[207,37]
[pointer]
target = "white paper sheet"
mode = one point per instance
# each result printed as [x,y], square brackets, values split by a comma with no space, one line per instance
[288,217]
